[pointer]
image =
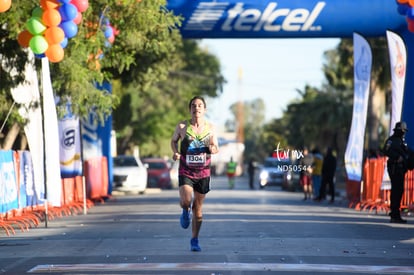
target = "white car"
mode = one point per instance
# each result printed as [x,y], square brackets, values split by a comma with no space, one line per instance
[130,174]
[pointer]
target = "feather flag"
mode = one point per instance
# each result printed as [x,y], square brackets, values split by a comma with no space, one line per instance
[362,78]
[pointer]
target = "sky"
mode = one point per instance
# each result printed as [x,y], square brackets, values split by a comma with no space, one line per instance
[272,69]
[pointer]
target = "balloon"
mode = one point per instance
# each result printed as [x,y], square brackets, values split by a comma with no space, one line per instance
[35,26]
[55,53]
[5,5]
[64,43]
[108,31]
[68,12]
[116,31]
[51,17]
[107,44]
[54,35]
[111,39]
[70,28]
[78,18]
[38,44]
[65,1]
[411,3]
[81,5]
[49,4]
[37,12]
[24,38]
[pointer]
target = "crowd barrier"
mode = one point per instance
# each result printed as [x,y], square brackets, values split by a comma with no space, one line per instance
[21,199]
[373,193]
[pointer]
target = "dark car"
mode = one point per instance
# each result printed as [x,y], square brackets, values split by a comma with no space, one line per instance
[158,173]
[279,172]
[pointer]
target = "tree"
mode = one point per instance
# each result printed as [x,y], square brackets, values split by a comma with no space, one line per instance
[148,114]
[339,74]
[327,111]
[145,47]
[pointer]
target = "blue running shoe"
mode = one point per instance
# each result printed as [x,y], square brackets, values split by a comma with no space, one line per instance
[194,245]
[185,219]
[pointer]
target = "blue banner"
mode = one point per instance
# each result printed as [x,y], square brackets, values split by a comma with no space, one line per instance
[34,193]
[8,185]
[407,109]
[286,18]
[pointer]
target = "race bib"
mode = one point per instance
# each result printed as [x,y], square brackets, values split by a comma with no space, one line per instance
[196,160]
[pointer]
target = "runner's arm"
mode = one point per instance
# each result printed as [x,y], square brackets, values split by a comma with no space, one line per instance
[174,142]
[213,147]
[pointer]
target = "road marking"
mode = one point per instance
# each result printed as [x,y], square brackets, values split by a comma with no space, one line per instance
[223,267]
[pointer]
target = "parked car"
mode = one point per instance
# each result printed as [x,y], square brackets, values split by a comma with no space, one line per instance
[158,173]
[130,174]
[279,172]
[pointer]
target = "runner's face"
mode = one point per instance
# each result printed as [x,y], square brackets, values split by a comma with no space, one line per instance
[197,108]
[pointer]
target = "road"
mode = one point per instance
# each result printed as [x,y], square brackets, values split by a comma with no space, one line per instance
[244,232]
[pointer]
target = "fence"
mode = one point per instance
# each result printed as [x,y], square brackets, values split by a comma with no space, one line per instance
[22,204]
[373,193]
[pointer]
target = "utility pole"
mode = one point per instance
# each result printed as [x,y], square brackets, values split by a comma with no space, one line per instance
[240,109]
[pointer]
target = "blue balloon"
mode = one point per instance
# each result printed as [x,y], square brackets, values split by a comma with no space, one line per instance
[64,43]
[108,32]
[65,1]
[69,28]
[107,44]
[68,12]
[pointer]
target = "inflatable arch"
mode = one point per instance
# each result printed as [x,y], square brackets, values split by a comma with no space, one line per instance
[299,19]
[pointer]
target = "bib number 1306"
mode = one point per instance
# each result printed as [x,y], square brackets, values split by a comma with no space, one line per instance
[195,160]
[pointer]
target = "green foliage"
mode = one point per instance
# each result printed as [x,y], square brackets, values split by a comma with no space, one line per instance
[147,115]
[146,29]
[321,117]
[147,64]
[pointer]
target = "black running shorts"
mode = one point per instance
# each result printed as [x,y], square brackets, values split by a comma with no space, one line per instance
[201,186]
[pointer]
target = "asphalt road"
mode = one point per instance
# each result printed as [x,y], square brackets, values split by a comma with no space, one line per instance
[244,232]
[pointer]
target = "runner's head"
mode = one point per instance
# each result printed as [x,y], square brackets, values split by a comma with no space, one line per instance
[195,98]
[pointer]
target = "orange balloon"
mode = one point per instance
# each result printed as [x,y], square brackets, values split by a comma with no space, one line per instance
[5,5]
[55,53]
[24,38]
[411,3]
[49,4]
[54,35]
[51,17]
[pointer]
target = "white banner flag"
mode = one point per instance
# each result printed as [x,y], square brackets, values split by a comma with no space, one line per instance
[70,144]
[398,63]
[51,132]
[362,78]
[27,94]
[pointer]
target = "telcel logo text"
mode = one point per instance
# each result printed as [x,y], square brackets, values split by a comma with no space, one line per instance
[272,19]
